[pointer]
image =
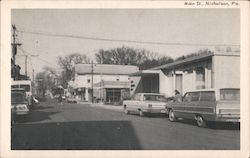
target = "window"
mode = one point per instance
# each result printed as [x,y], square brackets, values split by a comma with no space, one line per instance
[207,96]
[187,97]
[195,96]
[200,74]
[88,80]
[14,86]
[25,87]
[230,94]
[136,97]
[154,98]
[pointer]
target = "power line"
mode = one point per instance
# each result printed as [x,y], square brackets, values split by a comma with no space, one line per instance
[37,57]
[121,40]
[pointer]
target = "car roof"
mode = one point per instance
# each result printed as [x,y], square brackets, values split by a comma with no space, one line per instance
[210,89]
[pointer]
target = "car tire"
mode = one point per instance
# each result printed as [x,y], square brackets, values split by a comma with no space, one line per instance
[141,113]
[172,116]
[200,121]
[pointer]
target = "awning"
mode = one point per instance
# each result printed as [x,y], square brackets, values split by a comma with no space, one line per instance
[112,84]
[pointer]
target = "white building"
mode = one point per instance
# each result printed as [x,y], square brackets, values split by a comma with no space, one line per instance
[107,83]
[213,70]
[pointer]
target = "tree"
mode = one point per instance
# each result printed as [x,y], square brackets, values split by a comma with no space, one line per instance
[46,80]
[130,56]
[67,64]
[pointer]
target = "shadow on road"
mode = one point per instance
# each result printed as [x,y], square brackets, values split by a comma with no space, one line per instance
[90,135]
[214,125]
[36,116]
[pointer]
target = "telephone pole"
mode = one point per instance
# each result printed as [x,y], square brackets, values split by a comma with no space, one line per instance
[92,84]
[26,63]
[14,50]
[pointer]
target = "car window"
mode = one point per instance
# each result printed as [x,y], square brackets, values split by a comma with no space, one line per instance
[195,96]
[207,96]
[136,97]
[187,97]
[230,94]
[149,97]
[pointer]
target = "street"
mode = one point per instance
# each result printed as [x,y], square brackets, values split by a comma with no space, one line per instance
[84,126]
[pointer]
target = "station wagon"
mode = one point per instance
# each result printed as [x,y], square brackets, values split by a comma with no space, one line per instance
[221,105]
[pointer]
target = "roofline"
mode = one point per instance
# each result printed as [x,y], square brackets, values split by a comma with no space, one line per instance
[180,62]
[195,58]
[209,89]
[148,71]
[87,73]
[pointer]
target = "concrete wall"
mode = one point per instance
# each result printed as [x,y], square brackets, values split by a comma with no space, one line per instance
[166,84]
[226,71]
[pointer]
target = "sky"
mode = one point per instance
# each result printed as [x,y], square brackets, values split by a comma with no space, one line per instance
[194,26]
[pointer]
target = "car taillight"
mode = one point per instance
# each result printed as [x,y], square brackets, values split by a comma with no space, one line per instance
[150,105]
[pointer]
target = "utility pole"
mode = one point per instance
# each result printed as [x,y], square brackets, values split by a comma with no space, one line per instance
[26,57]
[14,50]
[92,84]
[26,63]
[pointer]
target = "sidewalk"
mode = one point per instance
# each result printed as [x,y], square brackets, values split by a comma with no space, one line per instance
[105,106]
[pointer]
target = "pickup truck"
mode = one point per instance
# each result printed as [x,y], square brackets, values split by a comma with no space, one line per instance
[143,103]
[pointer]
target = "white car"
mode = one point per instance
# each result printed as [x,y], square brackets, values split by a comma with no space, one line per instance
[143,103]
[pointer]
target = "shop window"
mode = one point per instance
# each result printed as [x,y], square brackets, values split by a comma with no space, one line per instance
[200,78]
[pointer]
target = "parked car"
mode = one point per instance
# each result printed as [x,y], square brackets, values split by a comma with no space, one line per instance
[72,99]
[19,105]
[143,103]
[222,105]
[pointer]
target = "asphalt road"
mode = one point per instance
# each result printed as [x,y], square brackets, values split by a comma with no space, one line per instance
[77,126]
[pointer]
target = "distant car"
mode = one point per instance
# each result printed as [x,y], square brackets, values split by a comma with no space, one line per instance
[144,103]
[220,105]
[72,99]
[63,97]
[56,96]
[35,100]
[19,105]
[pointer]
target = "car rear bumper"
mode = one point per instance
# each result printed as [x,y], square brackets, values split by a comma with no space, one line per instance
[155,110]
[227,118]
[22,112]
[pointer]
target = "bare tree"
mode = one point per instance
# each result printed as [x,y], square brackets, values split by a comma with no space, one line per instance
[67,64]
[130,56]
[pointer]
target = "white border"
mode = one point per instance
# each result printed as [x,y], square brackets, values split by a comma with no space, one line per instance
[5,151]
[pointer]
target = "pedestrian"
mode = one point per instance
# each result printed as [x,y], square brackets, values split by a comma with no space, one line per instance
[60,99]
[178,96]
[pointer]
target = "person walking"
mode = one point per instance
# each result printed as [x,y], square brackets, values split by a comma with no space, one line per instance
[60,99]
[178,96]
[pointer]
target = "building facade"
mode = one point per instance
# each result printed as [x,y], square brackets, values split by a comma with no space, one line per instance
[101,82]
[213,70]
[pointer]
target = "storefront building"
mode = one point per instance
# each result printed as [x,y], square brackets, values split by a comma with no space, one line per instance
[213,70]
[101,82]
